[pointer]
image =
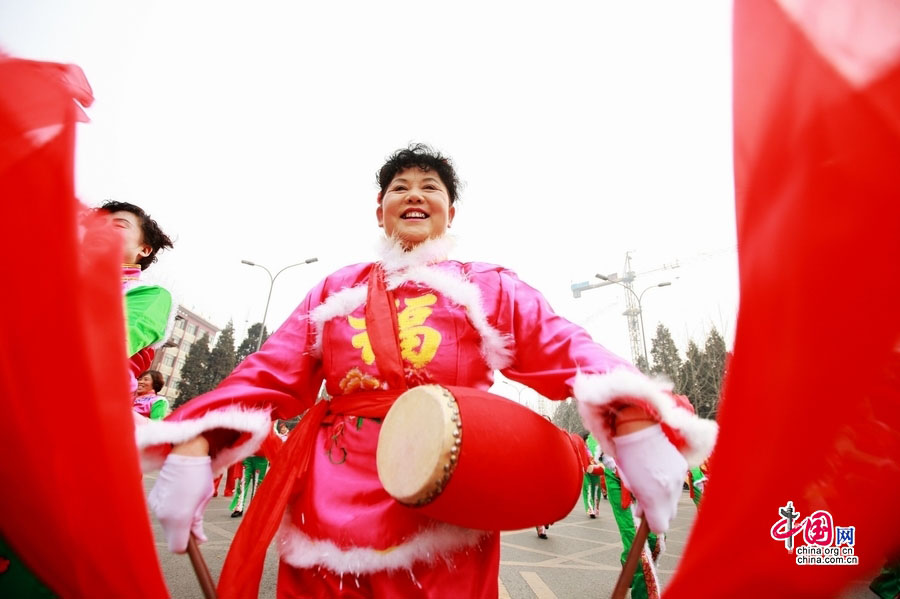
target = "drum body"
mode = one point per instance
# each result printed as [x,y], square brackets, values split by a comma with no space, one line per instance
[478,460]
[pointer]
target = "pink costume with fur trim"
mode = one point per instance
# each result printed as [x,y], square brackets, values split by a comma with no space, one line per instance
[458,322]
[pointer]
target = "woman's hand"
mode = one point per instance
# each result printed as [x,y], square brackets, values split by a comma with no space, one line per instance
[633,418]
[198,446]
[654,471]
[180,495]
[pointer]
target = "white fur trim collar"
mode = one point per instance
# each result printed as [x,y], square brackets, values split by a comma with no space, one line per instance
[301,551]
[394,257]
[462,292]
[495,347]
[592,390]
[151,434]
[337,305]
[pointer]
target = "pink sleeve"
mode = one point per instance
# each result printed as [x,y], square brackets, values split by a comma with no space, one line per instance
[279,381]
[559,359]
[548,350]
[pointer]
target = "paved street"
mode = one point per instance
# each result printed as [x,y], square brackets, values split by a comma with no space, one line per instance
[579,559]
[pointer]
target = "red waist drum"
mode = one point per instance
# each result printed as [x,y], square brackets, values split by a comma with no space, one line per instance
[475,459]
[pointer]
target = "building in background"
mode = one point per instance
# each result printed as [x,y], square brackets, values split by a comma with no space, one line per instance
[189,328]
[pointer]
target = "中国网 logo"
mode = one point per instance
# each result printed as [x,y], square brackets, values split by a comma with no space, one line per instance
[825,543]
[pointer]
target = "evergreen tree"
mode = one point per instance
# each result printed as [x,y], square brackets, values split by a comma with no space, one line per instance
[566,417]
[221,359]
[715,356]
[642,365]
[193,373]
[688,383]
[248,345]
[666,360]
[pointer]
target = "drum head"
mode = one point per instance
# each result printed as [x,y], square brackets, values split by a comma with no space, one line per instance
[417,438]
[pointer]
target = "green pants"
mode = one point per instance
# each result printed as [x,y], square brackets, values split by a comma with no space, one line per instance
[590,492]
[249,483]
[625,522]
[887,584]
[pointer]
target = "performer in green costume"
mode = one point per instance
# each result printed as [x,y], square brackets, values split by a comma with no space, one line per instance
[887,584]
[244,493]
[149,313]
[148,318]
[645,584]
[696,481]
[590,486]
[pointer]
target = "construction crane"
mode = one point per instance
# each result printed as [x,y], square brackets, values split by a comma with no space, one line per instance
[633,310]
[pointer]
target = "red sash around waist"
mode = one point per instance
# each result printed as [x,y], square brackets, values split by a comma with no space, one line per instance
[244,564]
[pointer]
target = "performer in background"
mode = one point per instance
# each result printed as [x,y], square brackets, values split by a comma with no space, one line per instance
[281,431]
[149,314]
[147,402]
[590,489]
[254,469]
[65,293]
[645,584]
[696,479]
[452,323]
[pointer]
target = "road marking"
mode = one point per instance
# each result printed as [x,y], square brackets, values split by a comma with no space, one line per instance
[504,594]
[537,585]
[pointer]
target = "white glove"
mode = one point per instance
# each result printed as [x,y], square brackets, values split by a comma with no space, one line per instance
[181,492]
[608,461]
[654,471]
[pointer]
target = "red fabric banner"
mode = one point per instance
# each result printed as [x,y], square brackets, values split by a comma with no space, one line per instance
[812,398]
[72,502]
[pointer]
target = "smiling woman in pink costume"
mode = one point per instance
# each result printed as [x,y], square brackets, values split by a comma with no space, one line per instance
[453,323]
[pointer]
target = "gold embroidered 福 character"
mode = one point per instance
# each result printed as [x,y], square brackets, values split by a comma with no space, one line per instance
[361,340]
[419,351]
[418,343]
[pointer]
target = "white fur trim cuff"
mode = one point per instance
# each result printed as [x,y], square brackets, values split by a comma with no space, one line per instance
[597,390]
[301,551]
[152,434]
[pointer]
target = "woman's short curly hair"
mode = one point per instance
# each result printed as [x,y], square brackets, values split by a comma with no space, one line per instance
[421,156]
[152,233]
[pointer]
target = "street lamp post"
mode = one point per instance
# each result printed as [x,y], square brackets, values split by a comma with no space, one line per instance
[640,307]
[272,284]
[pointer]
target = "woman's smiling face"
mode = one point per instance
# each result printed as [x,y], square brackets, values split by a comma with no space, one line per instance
[145,385]
[415,207]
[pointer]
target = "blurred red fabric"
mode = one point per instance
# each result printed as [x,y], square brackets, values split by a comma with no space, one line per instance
[72,502]
[812,397]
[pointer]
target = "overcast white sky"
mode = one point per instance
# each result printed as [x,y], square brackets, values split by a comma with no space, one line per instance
[253,131]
